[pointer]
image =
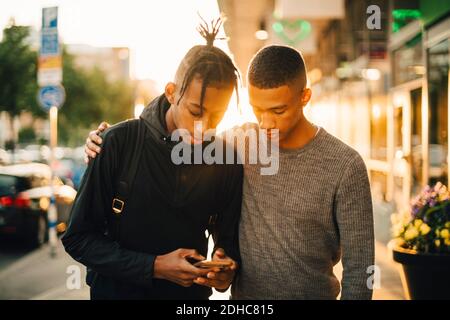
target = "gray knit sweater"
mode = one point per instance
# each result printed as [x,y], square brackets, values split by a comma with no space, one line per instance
[297,224]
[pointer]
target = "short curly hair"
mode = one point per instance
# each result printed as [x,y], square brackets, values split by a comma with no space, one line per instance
[275,66]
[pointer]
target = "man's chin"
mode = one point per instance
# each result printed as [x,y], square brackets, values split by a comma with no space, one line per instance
[191,140]
[274,137]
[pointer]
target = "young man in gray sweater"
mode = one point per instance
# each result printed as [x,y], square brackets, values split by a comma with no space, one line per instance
[316,209]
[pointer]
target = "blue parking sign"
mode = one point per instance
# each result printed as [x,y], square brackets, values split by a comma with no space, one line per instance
[51,96]
[49,17]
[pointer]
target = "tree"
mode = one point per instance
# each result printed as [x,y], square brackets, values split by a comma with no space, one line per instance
[17,73]
[90,99]
[27,135]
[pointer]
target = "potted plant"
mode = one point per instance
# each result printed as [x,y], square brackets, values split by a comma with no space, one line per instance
[421,244]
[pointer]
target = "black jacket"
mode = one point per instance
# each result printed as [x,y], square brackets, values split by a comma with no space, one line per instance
[169,208]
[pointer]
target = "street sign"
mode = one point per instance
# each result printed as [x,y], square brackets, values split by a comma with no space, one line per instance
[49,70]
[49,77]
[51,96]
[49,17]
[49,42]
[50,60]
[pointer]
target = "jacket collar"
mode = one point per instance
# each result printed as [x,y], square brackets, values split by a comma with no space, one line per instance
[154,117]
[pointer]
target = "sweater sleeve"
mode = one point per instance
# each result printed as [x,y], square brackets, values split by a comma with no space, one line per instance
[354,215]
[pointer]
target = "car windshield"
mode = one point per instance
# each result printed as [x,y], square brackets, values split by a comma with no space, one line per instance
[7,184]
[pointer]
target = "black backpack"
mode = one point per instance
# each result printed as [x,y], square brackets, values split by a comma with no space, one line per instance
[132,154]
[131,151]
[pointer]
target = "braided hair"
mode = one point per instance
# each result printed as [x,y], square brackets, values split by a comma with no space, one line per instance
[207,62]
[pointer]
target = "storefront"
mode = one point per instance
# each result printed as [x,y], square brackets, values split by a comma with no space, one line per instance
[417,112]
[399,123]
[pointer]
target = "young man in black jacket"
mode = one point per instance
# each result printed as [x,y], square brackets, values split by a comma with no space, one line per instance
[146,253]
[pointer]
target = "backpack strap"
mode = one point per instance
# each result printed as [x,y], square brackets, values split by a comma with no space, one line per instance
[132,154]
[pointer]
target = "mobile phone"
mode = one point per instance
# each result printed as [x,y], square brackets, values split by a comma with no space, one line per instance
[213,264]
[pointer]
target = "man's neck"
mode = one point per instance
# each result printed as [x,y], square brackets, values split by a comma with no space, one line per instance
[302,134]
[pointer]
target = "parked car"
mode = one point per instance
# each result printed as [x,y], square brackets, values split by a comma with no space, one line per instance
[5,157]
[25,193]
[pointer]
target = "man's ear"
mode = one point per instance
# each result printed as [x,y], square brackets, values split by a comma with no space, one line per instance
[170,91]
[306,96]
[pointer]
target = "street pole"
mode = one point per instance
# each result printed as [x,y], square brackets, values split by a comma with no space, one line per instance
[52,212]
[51,96]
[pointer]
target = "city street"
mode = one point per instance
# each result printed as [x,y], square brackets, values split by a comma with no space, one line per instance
[12,252]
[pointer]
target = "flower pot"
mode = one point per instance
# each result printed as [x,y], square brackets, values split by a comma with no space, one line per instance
[425,276]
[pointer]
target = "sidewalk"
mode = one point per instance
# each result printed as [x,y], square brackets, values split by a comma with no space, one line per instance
[391,286]
[38,276]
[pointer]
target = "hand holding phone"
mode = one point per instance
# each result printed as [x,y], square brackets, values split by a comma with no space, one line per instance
[213,264]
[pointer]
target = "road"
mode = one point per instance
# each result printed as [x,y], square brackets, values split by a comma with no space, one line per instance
[11,251]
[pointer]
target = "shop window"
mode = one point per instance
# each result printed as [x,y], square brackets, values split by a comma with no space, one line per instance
[438,67]
[408,64]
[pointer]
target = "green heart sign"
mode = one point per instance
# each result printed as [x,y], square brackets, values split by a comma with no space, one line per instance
[292,32]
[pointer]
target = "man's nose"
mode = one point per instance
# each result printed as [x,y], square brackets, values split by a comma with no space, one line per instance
[267,122]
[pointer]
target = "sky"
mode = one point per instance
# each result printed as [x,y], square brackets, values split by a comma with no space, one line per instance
[158,33]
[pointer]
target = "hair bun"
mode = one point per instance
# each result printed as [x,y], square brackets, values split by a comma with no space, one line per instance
[210,35]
